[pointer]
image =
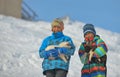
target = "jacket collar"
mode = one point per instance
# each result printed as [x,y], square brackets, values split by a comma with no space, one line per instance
[57,34]
[96,37]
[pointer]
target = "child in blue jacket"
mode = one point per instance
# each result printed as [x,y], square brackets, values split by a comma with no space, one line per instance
[56,50]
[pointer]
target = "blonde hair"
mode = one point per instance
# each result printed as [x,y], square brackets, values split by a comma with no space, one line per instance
[57,22]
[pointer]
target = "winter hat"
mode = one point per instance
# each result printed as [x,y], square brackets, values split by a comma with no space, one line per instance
[89,28]
[57,22]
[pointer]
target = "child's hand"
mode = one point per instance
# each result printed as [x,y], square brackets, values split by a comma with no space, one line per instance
[51,53]
[61,50]
[87,49]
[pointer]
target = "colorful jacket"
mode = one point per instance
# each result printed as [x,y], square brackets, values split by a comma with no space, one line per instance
[94,68]
[56,39]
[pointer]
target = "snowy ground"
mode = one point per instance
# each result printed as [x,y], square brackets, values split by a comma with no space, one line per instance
[20,41]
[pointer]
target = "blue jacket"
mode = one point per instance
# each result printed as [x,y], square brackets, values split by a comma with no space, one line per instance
[56,39]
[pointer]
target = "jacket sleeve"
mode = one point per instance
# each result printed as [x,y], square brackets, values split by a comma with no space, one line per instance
[82,54]
[101,49]
[70,51]
[42,49]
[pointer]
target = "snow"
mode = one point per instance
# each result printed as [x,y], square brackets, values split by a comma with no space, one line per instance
[20,41]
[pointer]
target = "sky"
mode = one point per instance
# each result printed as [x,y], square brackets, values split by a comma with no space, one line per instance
[101,13]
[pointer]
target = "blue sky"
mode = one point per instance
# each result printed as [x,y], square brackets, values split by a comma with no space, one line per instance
[101,13]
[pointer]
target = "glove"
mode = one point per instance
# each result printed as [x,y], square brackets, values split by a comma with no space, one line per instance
[61,50]
[51,53]
[87,49]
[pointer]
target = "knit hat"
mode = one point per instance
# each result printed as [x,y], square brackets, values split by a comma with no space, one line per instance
[57,22]
[89,28]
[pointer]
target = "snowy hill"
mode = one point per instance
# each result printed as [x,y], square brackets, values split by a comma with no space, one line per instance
[20,41]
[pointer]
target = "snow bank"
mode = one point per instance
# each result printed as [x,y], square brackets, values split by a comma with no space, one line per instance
[20,41]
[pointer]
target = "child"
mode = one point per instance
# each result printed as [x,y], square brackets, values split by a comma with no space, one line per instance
[92,53]
[56,50]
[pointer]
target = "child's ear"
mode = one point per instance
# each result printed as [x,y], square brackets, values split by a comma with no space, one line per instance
[52,29]
[62,28]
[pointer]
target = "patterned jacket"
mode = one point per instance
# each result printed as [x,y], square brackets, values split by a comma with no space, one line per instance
[56,39]
[95,68]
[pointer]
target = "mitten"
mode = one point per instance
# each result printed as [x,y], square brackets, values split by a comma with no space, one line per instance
[54,53]
[51,53]
[46,54]
[87,49]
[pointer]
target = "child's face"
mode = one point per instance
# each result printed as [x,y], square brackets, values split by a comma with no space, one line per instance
[57,29]
[89,36]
